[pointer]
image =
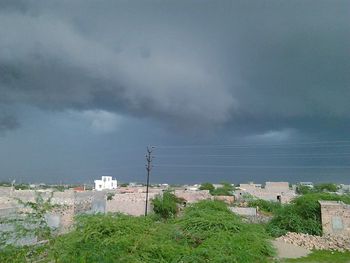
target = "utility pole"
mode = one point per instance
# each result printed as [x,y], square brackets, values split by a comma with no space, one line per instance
[149,159]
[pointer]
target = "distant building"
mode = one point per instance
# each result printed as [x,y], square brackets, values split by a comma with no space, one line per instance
[79,189]
[344,188]
[194,187]
[273,191]
[106,183]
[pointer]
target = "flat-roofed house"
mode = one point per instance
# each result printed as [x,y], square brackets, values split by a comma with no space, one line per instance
[106,183]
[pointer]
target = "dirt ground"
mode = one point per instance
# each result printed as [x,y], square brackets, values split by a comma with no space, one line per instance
[285,250]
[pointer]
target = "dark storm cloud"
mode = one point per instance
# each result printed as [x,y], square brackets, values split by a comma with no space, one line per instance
[7,122]
[281,63]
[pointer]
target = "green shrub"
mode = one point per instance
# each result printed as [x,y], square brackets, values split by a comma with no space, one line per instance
[318,188]
[226,189]
[206,232]
[218,235]
[303,215]
[166,205]
[207,186]
[266,206]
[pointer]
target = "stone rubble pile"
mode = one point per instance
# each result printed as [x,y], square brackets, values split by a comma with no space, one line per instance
[338,243]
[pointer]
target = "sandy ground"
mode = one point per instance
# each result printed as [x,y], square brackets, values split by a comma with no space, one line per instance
[285,250]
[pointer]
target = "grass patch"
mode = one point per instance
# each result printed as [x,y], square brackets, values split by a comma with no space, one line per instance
[323,256]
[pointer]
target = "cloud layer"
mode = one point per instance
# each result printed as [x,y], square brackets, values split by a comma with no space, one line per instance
[181,62]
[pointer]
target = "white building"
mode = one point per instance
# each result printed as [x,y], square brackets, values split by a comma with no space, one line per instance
[106,183]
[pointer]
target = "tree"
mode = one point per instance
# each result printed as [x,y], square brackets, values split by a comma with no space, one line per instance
[226,189]
[207,186]
[303,189]
[326,187]
[166,205]
[318,188]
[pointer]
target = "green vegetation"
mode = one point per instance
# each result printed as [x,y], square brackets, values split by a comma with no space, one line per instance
[265,206]
[166,205]
[323,256]
[207,186]
[318,188]
[6,184]
[205,232]
[110,196]
[22,186]
[226,189]
[31,221]
[303,215]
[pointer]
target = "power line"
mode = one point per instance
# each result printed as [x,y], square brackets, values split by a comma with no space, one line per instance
[252,166]
[242,156]
[316,144]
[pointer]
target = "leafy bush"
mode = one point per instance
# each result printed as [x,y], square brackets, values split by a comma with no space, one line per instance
[218,235]
[318,188]
[226,189]
[303,215]
[263,205]
[325,187]
[110,196]
[207,186]
[166,205]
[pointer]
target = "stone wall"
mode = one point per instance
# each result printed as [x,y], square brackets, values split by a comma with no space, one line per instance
[193,196]
[277,187]
[70,203]
[5,191]
[130,203]
[226,198]
[335,218]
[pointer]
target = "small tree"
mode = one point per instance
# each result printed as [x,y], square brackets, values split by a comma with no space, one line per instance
[166,205]
[226,189]
[326,187]
[34,220]
[207,186]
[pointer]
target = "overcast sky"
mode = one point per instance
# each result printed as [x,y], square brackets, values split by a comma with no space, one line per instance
[86,85]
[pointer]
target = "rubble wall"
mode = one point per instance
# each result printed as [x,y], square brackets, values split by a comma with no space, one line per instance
[130,203]
[335,218]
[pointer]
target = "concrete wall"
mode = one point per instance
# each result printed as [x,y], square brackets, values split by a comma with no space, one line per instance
[244,211]
[335,218]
